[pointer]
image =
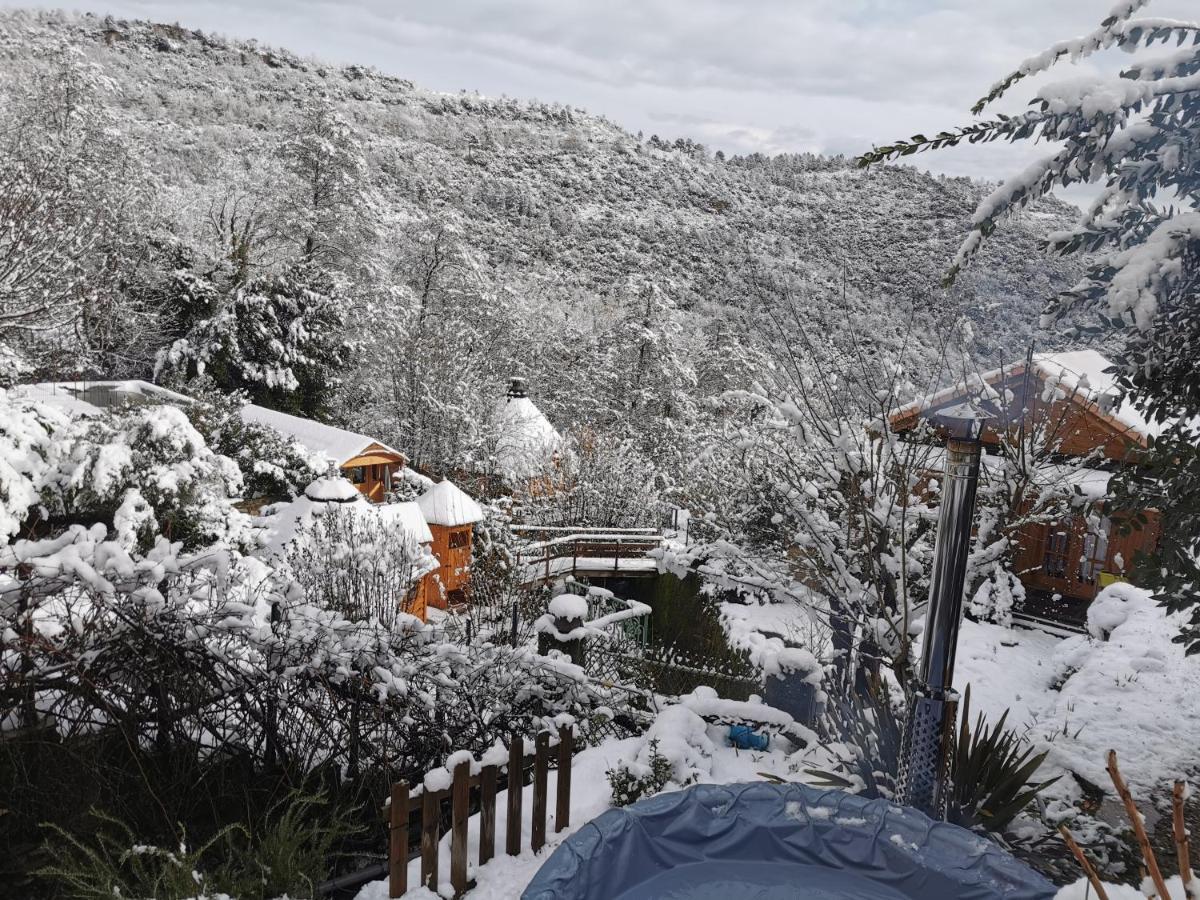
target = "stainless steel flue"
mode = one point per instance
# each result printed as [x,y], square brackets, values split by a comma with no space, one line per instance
[925,759]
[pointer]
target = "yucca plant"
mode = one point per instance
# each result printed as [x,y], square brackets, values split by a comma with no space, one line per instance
[991,772]
[991,766]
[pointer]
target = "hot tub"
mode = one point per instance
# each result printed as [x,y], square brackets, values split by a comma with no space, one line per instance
[771,842]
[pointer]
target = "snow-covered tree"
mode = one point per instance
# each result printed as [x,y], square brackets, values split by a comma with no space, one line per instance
[67,183]
[280,338]
[1135,136]
[150,473]
[330,202]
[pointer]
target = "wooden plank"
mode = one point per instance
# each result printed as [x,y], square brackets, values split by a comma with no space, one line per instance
[431,832]
[487,813]
[562,796]
[541,764]
[398,841]
[460,803]
[516,757]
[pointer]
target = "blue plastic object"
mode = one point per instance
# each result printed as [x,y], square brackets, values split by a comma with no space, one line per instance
[771,842]
[746,738]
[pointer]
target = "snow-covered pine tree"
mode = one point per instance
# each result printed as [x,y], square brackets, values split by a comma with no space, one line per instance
[1134,135]
[280,338]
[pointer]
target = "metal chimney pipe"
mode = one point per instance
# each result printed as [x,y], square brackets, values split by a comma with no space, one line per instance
[925,759]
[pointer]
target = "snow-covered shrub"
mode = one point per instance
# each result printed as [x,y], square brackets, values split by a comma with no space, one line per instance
[354,559]
[27,437]
[151,471]
[273,467]
[631,780]
[997,594]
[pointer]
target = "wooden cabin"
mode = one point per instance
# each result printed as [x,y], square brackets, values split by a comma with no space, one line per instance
[368,464]
[451,516]
[1071,404]
[413,520]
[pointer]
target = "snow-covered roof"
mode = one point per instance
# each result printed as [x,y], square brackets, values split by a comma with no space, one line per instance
[1078,373]
[338,444]
[410,516]
[1082,371]
[526,441]
[86,398]
[445,504]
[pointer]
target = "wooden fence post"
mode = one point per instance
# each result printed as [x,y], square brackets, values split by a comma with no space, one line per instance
[562,796]
[516,758]
[460,803]
[398,841]
[431,832]
[541,761]
[487,813]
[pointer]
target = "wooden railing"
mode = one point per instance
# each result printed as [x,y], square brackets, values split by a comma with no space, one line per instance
[615,545]
[406,802]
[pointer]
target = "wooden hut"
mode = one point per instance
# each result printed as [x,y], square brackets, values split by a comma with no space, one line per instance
[1071,400]
[413,519]
[369,464]
[451,516]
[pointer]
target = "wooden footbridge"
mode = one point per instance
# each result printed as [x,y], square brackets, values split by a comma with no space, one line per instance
[554,553]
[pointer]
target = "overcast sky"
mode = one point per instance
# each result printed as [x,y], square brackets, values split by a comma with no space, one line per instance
[830,76]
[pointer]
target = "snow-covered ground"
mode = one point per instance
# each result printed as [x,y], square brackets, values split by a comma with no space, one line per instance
[1134,692]
[1126,687]
[505,877]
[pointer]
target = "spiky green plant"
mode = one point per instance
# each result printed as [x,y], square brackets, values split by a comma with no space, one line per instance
[115,864]
[992,772]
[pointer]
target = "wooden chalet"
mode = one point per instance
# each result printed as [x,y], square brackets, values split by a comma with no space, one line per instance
[1071,403]
[451,516]
[370,465]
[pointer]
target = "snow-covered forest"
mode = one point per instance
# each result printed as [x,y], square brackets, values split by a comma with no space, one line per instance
[350,431]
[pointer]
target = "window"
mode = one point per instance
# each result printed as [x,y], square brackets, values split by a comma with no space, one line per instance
[1095,552]
[357,474]
[460,538]
[1054,563]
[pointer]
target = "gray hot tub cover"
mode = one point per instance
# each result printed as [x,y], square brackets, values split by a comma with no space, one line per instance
[758,840]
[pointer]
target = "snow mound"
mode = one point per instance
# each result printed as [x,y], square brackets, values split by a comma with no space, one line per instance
[332,489]
[569,606]
[1111,609]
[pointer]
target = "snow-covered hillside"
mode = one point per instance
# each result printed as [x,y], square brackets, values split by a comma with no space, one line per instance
[559,203]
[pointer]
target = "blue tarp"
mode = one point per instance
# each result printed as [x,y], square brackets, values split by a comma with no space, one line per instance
[769,842]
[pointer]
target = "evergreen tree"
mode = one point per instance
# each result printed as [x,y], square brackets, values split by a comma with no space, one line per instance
[279,337]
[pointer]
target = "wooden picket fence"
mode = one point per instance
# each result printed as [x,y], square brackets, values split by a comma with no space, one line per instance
[429,805]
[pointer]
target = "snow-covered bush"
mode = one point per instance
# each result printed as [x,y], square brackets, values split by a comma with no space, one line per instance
[150,472]
[997,594]
[631,780]
[354,559]
[273,467]
[28,436]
